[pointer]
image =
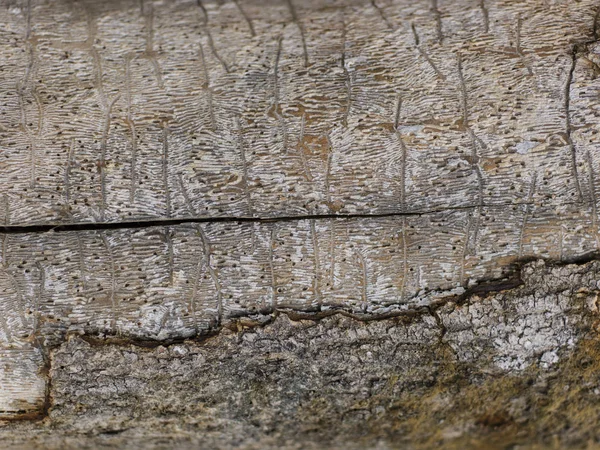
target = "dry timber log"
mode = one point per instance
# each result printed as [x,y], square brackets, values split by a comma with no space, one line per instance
[174,170]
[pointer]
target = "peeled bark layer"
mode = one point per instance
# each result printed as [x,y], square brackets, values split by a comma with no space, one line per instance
[512,367]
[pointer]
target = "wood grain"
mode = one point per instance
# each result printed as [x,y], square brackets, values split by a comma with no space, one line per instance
[115,111]
[391,154]
[178,281]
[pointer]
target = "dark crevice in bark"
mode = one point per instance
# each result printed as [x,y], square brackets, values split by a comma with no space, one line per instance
[577,49]
[147,223]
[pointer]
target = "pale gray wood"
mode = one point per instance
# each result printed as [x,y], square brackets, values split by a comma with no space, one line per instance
[182,281]
[473,123]
[177,281]
[116,111]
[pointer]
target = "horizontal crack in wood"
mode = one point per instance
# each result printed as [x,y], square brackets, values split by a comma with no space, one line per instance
[148,223]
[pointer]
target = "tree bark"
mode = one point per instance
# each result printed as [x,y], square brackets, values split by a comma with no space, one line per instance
[282,222]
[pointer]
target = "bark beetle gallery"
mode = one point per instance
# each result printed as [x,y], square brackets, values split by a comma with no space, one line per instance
[389,170]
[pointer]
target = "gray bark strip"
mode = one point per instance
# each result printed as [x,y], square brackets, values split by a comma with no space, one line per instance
[482,363]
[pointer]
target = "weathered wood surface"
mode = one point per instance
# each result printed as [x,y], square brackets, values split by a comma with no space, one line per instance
[119,110]
[175,282]
[458,138]
[511,368]
[169,282]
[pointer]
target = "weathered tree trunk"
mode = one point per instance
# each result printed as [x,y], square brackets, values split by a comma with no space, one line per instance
[299,223]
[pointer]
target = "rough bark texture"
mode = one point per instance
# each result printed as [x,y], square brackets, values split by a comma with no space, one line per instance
[488,370]
[267,223]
